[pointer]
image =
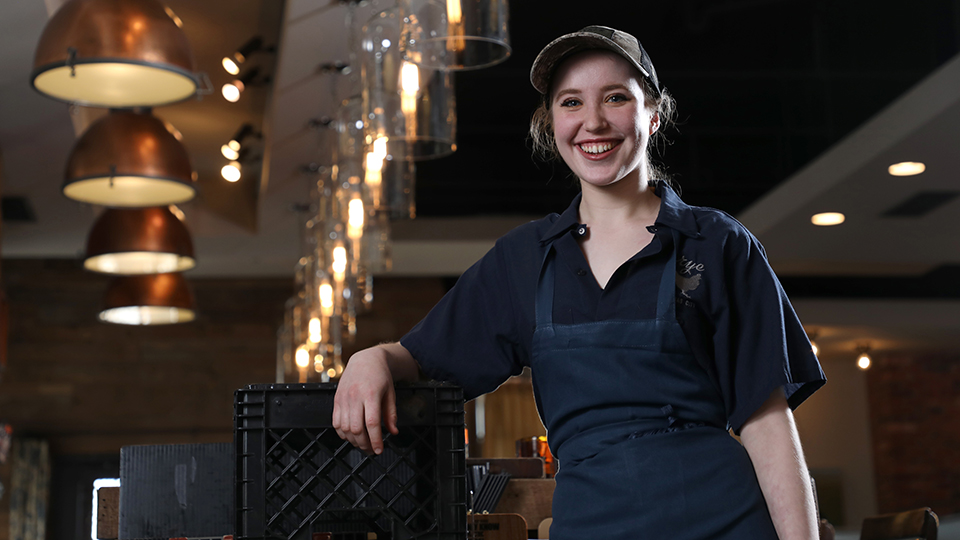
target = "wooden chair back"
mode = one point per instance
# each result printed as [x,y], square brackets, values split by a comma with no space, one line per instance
[919,523]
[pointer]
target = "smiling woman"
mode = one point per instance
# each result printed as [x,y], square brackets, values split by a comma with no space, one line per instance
[651,328]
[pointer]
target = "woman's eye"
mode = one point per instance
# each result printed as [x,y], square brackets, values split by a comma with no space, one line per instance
[570,102]
[617,98]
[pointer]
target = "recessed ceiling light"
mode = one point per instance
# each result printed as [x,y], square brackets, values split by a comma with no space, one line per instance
[906,168]
[825,219]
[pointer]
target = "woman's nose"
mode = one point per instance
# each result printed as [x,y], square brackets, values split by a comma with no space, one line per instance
[595,119]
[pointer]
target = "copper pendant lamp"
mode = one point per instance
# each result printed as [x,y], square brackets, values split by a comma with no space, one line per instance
[139,241]
[129,159]
[151,299]
[114,53]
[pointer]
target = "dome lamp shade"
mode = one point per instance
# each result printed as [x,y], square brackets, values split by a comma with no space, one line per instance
[115,54]
[129,159]
[128,241]
[150,299]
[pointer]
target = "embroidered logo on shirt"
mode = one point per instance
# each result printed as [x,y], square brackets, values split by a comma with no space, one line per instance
[688,275]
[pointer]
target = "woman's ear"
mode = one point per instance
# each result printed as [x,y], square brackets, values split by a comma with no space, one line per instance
[654,123]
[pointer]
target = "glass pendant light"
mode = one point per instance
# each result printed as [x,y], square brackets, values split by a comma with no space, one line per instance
[412,106]
[455,34]
[129,159]
[399,180]
[139,241]
[150,299]
[114,53]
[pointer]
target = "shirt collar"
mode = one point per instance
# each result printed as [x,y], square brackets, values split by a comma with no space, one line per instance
[674,213]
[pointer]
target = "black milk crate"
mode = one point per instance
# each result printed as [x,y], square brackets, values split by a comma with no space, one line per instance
[295,477]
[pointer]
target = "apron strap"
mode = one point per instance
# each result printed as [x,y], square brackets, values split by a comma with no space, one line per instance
[666,297]
[544,305]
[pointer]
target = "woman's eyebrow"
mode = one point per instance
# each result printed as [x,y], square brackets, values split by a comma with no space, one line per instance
[568,91]
[607,88]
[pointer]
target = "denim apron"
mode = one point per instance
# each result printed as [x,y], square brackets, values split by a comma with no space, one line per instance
[638,428]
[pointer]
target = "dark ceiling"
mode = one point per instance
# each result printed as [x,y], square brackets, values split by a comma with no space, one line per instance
[762,86]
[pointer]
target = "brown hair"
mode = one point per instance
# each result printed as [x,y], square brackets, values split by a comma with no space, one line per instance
[545,146]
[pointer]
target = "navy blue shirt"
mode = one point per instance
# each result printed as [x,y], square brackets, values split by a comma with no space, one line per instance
[733,311]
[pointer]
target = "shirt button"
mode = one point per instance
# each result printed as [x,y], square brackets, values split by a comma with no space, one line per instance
[581,272]
[652,228]
[582,230]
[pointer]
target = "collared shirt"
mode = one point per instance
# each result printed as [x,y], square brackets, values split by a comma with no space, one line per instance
[733,311]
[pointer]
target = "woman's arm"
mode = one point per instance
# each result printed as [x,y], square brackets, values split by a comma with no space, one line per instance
[365,396]
[770,438]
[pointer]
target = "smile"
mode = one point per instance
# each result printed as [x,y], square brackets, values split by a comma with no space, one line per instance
[597,147]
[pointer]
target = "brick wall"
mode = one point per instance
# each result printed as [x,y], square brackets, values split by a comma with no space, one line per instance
[915,422]
[90,387]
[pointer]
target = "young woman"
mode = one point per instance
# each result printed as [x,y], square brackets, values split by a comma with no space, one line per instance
[651,327]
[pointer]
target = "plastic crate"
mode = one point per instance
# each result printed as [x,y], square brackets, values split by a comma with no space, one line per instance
[296,478]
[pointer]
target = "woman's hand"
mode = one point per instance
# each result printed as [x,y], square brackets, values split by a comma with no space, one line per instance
[366,399]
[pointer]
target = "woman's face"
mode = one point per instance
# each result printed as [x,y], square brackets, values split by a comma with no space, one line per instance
[600,121]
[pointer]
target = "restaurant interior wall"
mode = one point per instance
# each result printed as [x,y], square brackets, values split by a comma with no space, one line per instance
[90,388]
[914,401]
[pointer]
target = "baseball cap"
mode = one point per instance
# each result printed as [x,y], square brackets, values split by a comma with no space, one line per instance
[591,37]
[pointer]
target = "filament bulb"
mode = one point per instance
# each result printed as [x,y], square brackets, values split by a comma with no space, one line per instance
[454,13]
[409,78]
[355,219]
[302,356]
[314,330]
[326,300]
[339,262]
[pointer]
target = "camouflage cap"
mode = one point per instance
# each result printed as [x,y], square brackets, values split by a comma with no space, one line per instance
[591,37]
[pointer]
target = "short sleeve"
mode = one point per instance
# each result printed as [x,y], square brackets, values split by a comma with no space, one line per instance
[470,337]
[759,342]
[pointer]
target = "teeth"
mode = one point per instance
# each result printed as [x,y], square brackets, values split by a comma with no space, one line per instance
[596,148]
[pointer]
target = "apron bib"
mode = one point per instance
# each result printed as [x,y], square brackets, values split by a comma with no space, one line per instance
[637,426]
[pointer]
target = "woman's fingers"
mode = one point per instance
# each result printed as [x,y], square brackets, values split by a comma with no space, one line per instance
[373,431]
[389,408]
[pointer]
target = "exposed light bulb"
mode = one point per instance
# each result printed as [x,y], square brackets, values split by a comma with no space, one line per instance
[231,91]
[816,349]
[906,168]
[229,152]
[230,66]
[339,265]
[231,171]
[410,85]
[313,328]
[380,147]
[863,361]
[455,39]
[331,373]
[355,219]
[302,356]
[826,219]
[326,299]
[409,78]
[454,13]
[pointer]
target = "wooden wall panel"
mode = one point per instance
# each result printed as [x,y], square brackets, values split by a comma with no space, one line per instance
[511,414]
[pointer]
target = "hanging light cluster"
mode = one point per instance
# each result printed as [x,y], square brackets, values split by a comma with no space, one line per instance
[236,151]
[403,112]
[128,57]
